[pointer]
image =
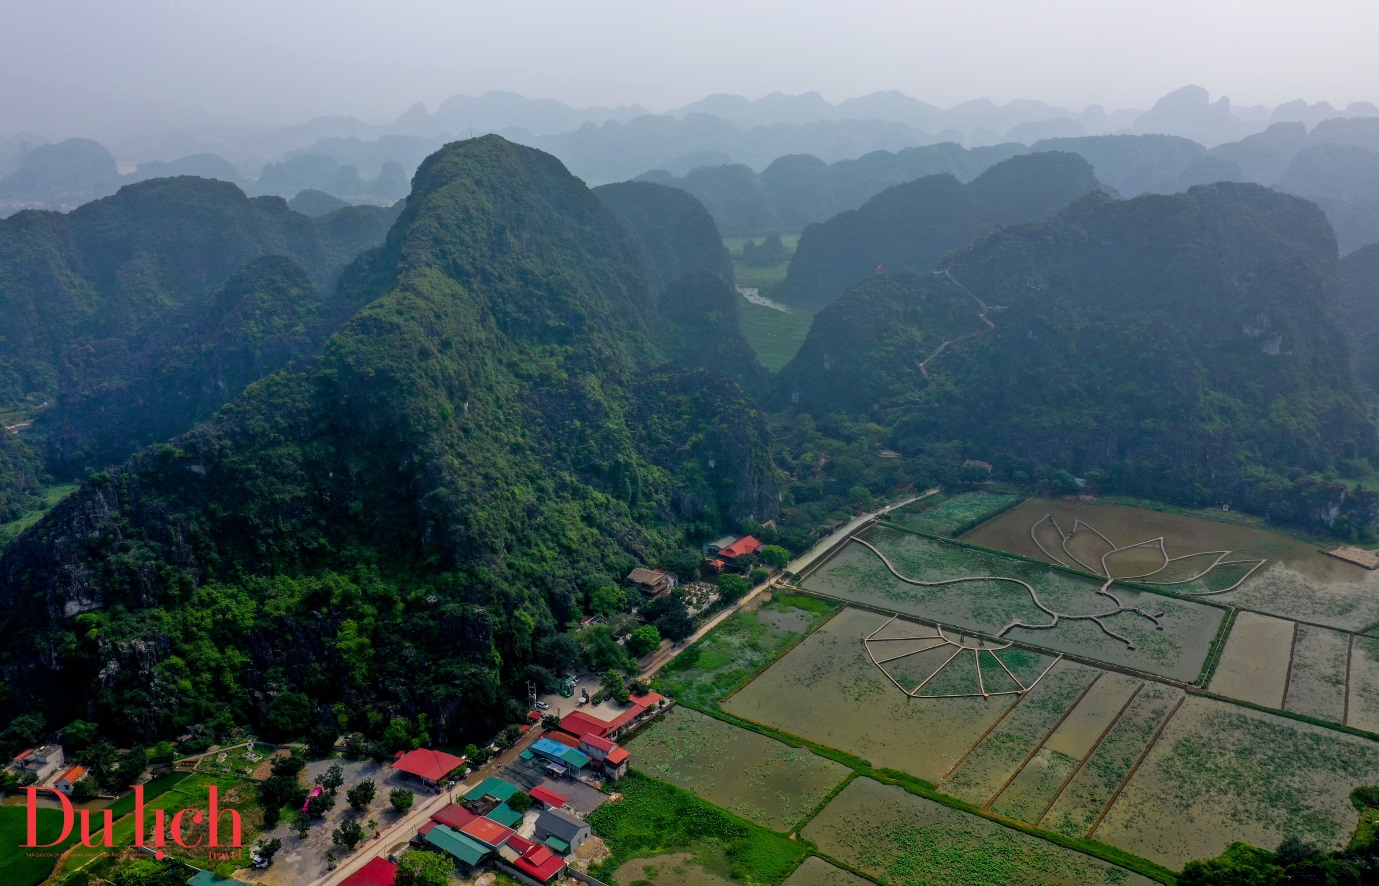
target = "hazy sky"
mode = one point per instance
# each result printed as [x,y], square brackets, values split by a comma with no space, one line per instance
[288,60]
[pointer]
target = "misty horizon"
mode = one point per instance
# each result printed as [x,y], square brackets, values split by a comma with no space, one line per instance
[152,63]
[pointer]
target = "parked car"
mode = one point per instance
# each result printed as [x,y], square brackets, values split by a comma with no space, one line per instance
[543,705]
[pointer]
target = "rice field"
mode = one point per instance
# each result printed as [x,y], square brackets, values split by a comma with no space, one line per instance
[897,839]
[817,872]
[1176,647]
[1363,690]
[1297,581]
[827,690]
[766,782]
[1254,664]
[997,757]
[1317,685]
[955,515]
[1076,810]
[1222,773]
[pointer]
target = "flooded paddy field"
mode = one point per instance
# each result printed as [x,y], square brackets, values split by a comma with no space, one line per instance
[898,838]
[817,872]
[998,756]
[1173,644]
[1221,773]
[1317,684]
[758,778]
[1084,798]
[827,690]
[1362,706]
[1297,580]
[1254,664]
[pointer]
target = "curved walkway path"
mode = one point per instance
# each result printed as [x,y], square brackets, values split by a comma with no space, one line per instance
[1056,616]
[1156,544]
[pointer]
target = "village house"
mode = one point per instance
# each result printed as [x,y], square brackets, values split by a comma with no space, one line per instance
[378,872]
[560,831]
[39,762]
[561,760]
[737,555]
[539,863]
[426,766]
[652,583]
[545,798]
[68,780]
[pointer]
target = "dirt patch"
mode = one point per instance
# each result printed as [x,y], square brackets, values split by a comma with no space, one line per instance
[674,869]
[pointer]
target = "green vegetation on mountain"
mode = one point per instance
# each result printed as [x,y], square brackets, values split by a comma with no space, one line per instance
[1167,347]
[674,229]
[912,226]
[119,337]
[402,526]
[1357,311]
[1344,181]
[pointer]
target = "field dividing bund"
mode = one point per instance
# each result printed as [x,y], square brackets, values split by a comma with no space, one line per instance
[896,837]
[766,782]
[1040,746]
[1088,755]
[1253,666]
[1158,733]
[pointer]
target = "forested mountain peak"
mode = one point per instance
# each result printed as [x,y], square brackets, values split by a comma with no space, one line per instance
[1173,347]
[911,226]
[499,430]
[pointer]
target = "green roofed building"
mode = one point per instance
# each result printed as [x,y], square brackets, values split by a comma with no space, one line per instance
[505,815]
[492,787]
[464,848]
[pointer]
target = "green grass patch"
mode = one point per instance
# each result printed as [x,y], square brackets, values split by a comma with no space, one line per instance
[774,335]
[51,496]
[740,647]
[20,866]
[654,818]
[956,515]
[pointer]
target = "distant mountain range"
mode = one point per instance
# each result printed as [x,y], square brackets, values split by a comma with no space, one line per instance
[602,144]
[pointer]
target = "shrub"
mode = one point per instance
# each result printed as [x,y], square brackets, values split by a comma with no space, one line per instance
[401,799]
[361,795]
[733,588]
